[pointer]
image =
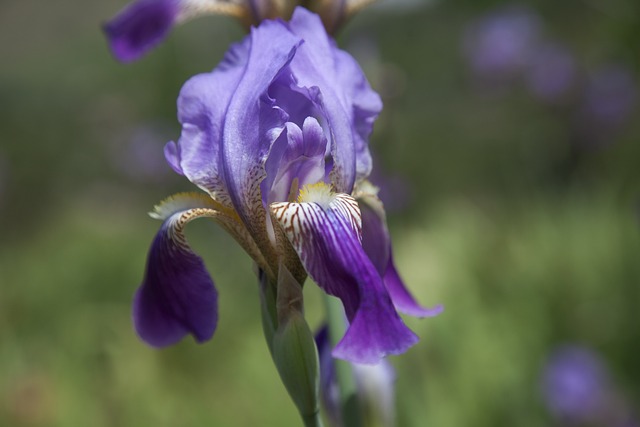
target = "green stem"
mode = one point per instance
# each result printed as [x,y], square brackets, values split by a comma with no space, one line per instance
[344,373]
[312,420]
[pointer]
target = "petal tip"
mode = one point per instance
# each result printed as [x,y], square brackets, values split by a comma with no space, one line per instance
[139,28]
[421,312]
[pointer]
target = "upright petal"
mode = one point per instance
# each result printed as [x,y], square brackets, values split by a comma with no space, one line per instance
[365,106]
[298,154]
[377,245]
[250,120]
[348,102]
[314,66]
[202,106]
[177,297]
[324,229]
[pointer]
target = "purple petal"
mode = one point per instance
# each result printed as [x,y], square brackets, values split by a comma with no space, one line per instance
[177,297]
[402,298]
[296,154]
[377,245]
[325,232]
[250,117]
[366,105]
[348,104]
[202,106]
[140,27]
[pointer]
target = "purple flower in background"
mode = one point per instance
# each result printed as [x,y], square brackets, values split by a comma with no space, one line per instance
[610,95]
[144,24]
[277,136]
[551,73]
[609,99]
[577,389]
[575,384]
[499,45]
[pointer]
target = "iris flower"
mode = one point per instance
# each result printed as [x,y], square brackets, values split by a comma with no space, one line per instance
[277,138]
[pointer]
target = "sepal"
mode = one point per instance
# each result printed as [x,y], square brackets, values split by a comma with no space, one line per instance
[376,242]
[324,229]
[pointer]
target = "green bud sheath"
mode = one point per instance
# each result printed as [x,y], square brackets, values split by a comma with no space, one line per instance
[294,349]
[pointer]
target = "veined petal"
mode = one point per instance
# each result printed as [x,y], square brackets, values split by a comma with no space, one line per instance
[177,296]
[365,106]
[202,106]
[324,229]
[377,245]
[348,102]
[143,24]
[298,154]
[250,117]
[314,66]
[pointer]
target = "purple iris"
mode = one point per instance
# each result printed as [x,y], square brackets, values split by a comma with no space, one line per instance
[578,390]
[499,45]
[277,136]
[575,384]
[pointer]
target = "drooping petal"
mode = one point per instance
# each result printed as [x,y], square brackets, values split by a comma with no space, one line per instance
[250,120]
[377,245]
[177,297]
[324,230]
[144,24]
[202,106]
[140,27]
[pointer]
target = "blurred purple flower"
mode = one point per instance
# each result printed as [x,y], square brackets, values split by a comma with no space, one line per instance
[551,72]
[140,27]
[577,389]
[575,384]
[609,100]
[610,96]
[500,43]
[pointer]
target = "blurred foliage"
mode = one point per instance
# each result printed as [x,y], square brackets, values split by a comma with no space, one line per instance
[528,238]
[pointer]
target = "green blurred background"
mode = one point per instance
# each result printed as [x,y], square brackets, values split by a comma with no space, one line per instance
[514,206]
